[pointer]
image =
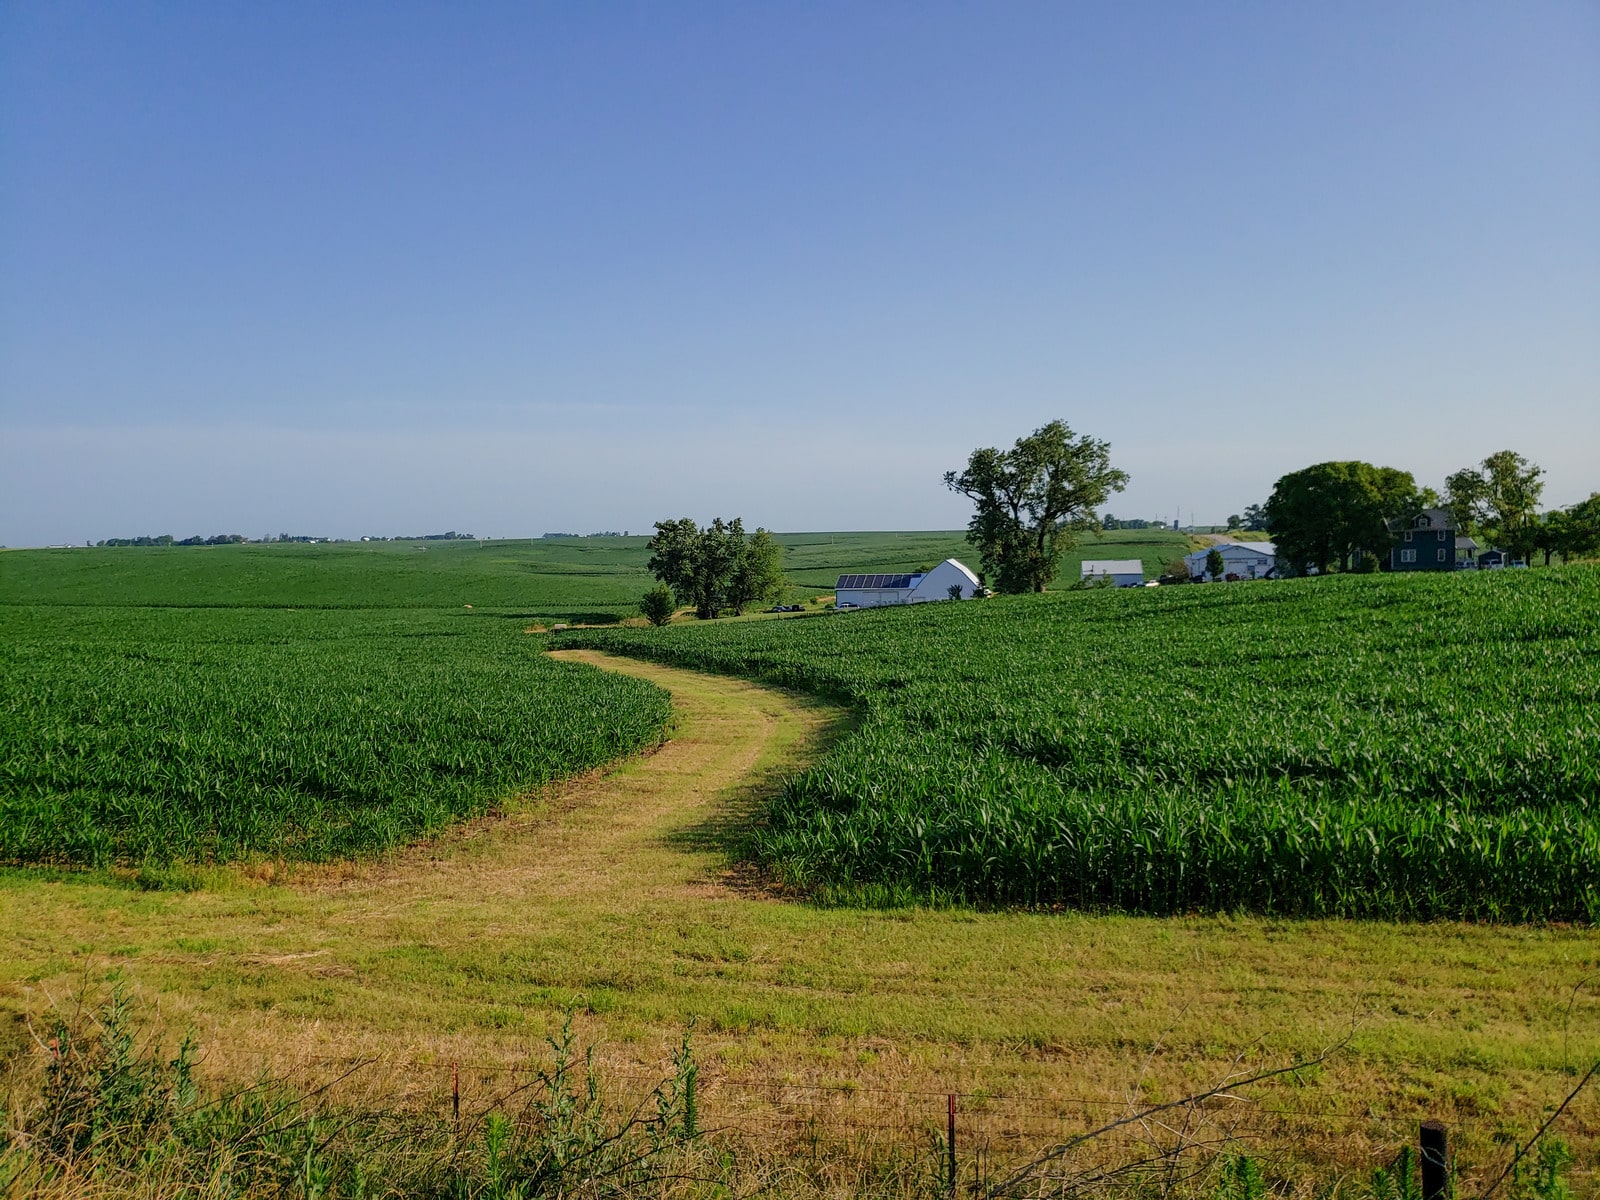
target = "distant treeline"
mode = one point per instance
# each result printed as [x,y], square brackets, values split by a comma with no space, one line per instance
[602,533]
[238,539]
[1110,522]
[452,536]
[166,539]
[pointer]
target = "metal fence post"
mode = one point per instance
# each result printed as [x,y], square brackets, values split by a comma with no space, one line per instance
[950,1142]
[1435,1162]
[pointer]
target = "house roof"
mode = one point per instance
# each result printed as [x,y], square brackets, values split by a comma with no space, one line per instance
[876,581]
[1111,566]
[1438,518]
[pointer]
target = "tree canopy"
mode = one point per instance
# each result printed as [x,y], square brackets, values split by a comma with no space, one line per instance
[1032,500]
[1335,512]
[717,567]
[1500,497]
[1572,532]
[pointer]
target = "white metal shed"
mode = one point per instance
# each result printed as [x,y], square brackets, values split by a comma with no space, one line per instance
[1124,572]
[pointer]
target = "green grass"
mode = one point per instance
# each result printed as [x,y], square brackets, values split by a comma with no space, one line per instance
[1411,747]
[148,735]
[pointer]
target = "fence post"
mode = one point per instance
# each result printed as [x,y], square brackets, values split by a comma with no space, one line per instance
[950,1142]
[455,1094]
[1435,1162]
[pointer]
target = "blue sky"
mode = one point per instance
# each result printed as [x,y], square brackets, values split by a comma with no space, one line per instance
[515,268]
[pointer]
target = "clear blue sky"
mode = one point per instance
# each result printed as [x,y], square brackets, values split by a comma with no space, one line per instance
[512,268]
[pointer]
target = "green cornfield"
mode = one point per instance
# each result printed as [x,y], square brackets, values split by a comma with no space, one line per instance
[1408,747]
[153,735]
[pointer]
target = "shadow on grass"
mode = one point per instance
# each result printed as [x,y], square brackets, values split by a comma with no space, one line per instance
[726,832]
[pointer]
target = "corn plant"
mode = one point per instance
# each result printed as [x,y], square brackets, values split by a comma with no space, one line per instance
[147,736]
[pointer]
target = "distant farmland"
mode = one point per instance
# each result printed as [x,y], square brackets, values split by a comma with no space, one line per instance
[1383,746]
[560,579]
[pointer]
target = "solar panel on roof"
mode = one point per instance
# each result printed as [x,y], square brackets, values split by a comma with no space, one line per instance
[874,582]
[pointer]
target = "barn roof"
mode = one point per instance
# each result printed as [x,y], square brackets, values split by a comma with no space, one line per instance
[1112,566]
[877,581]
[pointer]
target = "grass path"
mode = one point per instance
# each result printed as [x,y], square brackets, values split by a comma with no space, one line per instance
[614,895]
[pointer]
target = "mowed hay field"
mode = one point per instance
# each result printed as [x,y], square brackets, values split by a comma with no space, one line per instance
[621,895]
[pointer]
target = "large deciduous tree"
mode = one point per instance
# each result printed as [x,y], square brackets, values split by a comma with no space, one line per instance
[716,567]
[1501,497]
[1032,500]
[1334,512]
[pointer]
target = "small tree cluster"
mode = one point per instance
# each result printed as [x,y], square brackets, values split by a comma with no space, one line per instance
[716,568]
[1572,532]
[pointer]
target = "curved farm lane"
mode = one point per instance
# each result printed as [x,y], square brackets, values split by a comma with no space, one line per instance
[612,895]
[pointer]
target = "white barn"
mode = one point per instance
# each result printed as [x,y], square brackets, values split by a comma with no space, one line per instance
[875,591]
[1248,560]
[1124,572]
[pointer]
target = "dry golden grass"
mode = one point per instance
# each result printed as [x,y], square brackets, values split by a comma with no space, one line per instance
[617,895]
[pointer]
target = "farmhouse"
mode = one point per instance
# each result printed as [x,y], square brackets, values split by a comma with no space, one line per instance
[1424,541]
[875,591]
[1124,572]
[1247,560]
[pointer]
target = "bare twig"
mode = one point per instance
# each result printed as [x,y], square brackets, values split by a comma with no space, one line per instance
[1221,1090]
[1550,1120]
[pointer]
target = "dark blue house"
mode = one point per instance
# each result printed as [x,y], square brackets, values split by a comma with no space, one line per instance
[1424,541]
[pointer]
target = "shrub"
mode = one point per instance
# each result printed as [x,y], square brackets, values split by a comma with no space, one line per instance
[657,605]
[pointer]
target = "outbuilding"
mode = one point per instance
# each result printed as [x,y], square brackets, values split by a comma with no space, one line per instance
[1124,572]
[949,580]
[1494,560]
[1247,560]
